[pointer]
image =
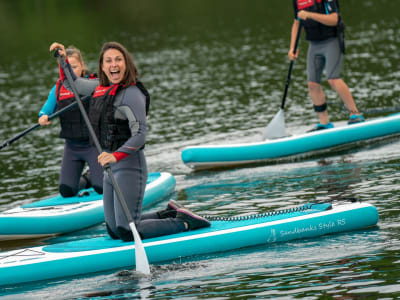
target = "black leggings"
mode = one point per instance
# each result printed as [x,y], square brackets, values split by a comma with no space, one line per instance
[76,154]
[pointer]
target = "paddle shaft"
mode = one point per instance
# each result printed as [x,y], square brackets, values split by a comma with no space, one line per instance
[107,168]
[26,131]
[296,44]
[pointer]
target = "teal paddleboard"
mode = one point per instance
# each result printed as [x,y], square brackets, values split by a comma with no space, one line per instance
[58,215]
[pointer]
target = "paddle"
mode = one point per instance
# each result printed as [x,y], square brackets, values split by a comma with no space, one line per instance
[142,264]
[276,128]
[26,131]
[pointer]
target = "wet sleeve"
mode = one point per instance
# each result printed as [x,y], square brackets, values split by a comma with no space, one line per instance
[50,106]
[133,108]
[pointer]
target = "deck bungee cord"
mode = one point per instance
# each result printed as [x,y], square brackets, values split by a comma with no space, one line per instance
[301,208]
[274,213]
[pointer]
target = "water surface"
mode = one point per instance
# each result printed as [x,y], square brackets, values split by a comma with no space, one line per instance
[216,72]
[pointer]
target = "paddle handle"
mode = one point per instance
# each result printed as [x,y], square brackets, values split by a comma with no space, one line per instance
[141,260]
[296,44]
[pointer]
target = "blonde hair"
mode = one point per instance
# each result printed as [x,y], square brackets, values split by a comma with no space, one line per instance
[75,52]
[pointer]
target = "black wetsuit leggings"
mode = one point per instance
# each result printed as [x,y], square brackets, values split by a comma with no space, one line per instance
[131,176]
[76,154]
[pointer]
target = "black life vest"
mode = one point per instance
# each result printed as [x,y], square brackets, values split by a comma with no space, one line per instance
[72,123]
[112,133]
[316,31]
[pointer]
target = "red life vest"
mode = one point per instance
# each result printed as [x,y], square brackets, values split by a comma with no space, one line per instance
[316,31]
[72,123]
[112,133]
[303,4]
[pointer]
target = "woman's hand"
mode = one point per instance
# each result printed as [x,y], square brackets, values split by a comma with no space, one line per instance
[304,15]
[106,158]
[59,46]
[292,55]
[44,120]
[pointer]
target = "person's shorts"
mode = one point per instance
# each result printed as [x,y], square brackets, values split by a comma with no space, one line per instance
[324,54]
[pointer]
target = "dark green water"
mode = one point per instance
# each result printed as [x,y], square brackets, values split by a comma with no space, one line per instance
[216,72]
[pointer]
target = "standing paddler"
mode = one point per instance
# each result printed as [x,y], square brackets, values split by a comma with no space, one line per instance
[325,31]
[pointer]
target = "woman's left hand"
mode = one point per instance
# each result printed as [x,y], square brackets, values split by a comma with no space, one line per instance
[106,158]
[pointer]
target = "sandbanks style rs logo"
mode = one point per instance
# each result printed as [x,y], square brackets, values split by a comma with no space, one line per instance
[323,226]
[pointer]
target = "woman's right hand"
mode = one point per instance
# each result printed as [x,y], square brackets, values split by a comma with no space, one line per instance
[293,56]
[44,120]
[106,158]
[59,46]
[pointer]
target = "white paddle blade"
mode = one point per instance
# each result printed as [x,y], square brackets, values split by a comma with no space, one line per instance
[142,263]
[276,128]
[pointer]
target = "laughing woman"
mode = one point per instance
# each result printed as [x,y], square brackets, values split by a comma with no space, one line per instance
[117,113]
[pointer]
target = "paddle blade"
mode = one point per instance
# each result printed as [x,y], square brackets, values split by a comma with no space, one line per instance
[276,128]
[142,263]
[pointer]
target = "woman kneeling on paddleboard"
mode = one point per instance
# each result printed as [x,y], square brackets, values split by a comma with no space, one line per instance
[118,110]
[77,149]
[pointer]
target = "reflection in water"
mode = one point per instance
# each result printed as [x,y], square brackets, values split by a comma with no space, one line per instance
[338,182]
[126,285]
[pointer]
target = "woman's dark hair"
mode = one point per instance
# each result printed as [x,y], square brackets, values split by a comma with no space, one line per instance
[131,73]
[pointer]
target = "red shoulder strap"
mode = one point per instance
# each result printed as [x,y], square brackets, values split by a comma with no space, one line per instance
[103,90]
[303,4]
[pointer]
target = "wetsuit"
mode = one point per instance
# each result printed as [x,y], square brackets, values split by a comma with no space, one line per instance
[324,50]
[130,170]
[77,151]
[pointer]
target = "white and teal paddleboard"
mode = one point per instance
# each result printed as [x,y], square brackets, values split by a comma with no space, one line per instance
[302,145]
[58,215]
[103,254]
